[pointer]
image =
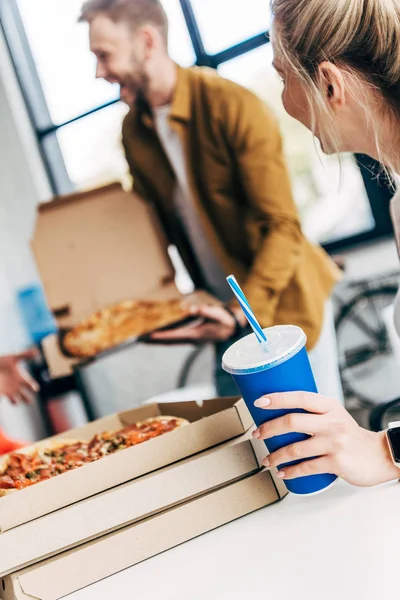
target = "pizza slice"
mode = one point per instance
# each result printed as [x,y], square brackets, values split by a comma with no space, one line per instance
[117,324]
[32,465]
[108,442]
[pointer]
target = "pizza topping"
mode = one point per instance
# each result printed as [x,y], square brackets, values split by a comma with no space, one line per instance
[26,469]
[6,482]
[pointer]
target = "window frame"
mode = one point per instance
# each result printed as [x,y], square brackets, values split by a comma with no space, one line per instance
[379,190]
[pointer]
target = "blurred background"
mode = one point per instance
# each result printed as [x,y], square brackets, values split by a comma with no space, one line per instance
[60,132]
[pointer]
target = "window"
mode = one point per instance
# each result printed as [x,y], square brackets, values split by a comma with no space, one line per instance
[80,142]
[180,44]
[92,148]
[67,72]
[78,118]
[224,23]
[329,192]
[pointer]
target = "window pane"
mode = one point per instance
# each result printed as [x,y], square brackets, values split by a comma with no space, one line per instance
[224,23]
[180,45]
[60,48]
[329,192]
[92,148]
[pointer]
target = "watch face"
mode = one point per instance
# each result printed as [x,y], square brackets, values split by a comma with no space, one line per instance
[394,439]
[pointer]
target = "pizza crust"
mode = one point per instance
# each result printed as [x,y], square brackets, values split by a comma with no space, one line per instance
[117,324]
[57,444]
[179,421]
[7,492]
[29,450]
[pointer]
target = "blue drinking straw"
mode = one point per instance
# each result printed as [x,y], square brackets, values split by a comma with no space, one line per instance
[246,308]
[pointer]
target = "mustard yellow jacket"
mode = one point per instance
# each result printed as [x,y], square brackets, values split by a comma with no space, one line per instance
[242,191]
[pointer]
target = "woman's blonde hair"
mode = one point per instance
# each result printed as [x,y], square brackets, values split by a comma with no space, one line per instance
[360,36]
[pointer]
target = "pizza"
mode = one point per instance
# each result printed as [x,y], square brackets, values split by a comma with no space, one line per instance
[118,323]
[24,468]
[27,467]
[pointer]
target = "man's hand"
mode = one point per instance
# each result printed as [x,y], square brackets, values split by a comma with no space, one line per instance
[217,325]
[15,381]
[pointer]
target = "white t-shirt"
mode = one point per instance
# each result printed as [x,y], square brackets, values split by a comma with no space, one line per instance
[186,207]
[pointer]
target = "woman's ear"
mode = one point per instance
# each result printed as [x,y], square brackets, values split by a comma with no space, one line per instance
[332,84]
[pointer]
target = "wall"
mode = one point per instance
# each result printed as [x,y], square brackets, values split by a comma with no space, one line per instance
[23,183]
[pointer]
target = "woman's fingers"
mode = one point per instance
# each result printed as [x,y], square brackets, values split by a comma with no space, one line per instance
[26,395]
[14,398]
[28,382]
[301,450]
[26,355]
[315,466]
[310,424]
[314,403]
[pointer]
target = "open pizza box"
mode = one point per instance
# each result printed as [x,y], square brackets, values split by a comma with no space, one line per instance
[129,503]
[212,422]
[94,560]
[97,248]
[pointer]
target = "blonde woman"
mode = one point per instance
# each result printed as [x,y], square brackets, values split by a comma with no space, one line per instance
[340,65]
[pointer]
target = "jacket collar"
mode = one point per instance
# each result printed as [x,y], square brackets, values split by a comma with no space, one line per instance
[181,103]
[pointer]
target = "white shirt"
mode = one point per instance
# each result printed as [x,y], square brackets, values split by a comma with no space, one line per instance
[186,207]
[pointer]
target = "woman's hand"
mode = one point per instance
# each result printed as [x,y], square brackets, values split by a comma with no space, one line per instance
[343,448]
[15,381]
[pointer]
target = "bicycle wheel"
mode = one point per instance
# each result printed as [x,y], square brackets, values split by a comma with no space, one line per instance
[368,366]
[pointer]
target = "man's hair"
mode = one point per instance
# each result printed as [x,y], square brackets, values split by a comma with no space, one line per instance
[134,12]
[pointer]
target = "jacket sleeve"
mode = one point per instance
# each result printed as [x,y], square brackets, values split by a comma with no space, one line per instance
[253,134]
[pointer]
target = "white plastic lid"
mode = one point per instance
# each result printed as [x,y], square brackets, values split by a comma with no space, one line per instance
[249,356]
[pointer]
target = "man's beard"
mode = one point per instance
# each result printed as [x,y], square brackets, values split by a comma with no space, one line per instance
[134,87]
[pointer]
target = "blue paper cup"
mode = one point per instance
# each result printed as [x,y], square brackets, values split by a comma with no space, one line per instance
[280,366]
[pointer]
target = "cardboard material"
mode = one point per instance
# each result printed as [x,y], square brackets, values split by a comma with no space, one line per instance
[91,562]
[97,248]
[136,500]
[90,249]
[212,423]
[57,363]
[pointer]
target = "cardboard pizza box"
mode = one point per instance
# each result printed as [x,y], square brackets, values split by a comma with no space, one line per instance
[97,248]
[111,510]
[60,365]
[211,423]
[105,556]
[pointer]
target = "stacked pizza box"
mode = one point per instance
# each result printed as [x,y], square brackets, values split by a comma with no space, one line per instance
[94,250]
[69,531]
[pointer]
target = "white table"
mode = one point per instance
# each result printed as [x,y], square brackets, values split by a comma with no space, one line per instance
[341,545]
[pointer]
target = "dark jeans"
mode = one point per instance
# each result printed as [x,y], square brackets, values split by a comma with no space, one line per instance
[223,380]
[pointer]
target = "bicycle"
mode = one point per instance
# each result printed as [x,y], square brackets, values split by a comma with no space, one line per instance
[369,368]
